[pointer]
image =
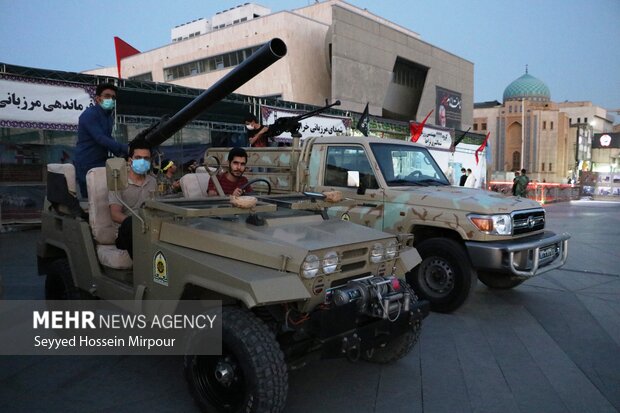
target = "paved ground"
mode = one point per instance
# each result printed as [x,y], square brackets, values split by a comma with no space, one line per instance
[550,345]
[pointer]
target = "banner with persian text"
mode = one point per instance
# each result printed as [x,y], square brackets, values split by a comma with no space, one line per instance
[319,125]
[42,104]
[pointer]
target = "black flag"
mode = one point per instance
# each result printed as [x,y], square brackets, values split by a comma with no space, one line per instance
[362,124]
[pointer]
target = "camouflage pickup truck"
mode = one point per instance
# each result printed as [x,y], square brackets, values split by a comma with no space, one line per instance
[462,234]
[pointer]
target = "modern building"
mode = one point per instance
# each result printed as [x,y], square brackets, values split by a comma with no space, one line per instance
[552,141]
[335,51]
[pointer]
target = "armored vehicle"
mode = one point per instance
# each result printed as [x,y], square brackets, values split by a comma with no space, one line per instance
[293,283]
[462,234]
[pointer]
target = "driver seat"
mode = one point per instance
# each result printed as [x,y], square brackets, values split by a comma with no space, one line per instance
[104,230]
[195,185]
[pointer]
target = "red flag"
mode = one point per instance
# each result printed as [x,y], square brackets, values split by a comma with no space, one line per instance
[481,147]
[123,50]
[416,128]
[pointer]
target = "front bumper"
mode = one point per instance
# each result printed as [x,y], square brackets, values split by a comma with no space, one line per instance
[523,257]
[334,342]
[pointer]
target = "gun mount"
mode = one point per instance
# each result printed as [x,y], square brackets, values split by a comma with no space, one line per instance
[264,57]
[291,123]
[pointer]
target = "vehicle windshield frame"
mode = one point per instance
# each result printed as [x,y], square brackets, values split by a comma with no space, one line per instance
[383,155]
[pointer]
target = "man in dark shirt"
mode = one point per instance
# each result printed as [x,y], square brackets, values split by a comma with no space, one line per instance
[233,179]
[95,135]
[463,177]
[256,132]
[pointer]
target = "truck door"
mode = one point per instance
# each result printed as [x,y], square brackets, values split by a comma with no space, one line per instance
[347,169]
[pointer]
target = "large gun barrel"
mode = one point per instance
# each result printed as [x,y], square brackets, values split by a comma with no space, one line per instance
[268,54]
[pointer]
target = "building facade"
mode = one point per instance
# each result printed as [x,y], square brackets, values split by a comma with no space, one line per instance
[552,141]
[335,51]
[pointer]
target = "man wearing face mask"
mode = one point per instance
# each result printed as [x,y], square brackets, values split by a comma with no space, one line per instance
[256,131]
[95,135]
[141,185]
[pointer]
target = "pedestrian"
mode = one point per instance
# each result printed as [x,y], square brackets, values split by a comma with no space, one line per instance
[521,184]
[470,182]
[95,139]
[463,177]
[256,131]
[232,180]
[514,183]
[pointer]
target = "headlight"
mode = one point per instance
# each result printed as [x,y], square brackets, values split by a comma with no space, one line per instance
[391,249]
[376,253]
[330,262]
[493,224]
[310,266]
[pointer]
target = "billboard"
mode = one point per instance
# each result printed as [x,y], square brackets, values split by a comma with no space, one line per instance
[606,140]
[447,108]
[42,104]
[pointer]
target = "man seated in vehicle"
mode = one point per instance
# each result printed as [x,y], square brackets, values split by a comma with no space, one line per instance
[232,180]
[141,186]
[167,184]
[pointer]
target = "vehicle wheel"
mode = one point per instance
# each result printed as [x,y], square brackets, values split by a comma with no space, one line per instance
[399,346]
[445,276]
[249,376]
[499,281]
[59,282]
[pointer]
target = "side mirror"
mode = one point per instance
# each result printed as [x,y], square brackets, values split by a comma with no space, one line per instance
[353,179]
[116,174]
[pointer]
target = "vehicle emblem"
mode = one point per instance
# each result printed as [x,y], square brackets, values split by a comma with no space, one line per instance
[345,217]
[530,222]
[160,269]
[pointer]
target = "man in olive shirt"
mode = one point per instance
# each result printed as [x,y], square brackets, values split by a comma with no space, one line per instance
[142,186]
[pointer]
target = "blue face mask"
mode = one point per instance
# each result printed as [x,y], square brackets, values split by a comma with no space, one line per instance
[108,104]
[140,166]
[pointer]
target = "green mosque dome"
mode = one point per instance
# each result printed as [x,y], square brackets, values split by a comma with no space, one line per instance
[529,88]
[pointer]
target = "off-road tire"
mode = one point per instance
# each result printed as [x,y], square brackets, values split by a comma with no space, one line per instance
[499,281]
[59,283]
[249,348]
[445,276]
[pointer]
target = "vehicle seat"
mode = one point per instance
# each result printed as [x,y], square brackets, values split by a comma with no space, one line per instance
[195,185]
[103,228]
[61,190]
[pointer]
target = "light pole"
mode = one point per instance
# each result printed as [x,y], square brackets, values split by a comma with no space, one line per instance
[522,133]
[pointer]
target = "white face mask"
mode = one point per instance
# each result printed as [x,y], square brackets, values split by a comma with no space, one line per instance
[249,127]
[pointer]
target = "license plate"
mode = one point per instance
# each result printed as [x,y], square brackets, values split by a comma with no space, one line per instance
[547,252]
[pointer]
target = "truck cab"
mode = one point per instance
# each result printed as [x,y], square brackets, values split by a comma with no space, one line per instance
[462,234]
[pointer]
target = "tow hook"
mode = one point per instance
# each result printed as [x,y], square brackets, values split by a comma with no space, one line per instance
[351,347]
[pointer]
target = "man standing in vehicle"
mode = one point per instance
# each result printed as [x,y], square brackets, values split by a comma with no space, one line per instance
[256,132]
[233,179]
[141,186]
[95,135]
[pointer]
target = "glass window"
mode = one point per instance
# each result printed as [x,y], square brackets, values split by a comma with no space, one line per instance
[550,167]
[551,125]
[544,124]
[484,126]
[475,126]
[542,167]
[341,160]
[405,165]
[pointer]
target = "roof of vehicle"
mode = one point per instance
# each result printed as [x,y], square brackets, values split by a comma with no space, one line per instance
[348,139]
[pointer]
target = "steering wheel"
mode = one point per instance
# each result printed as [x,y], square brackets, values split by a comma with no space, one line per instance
[250,182]
[414,174]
